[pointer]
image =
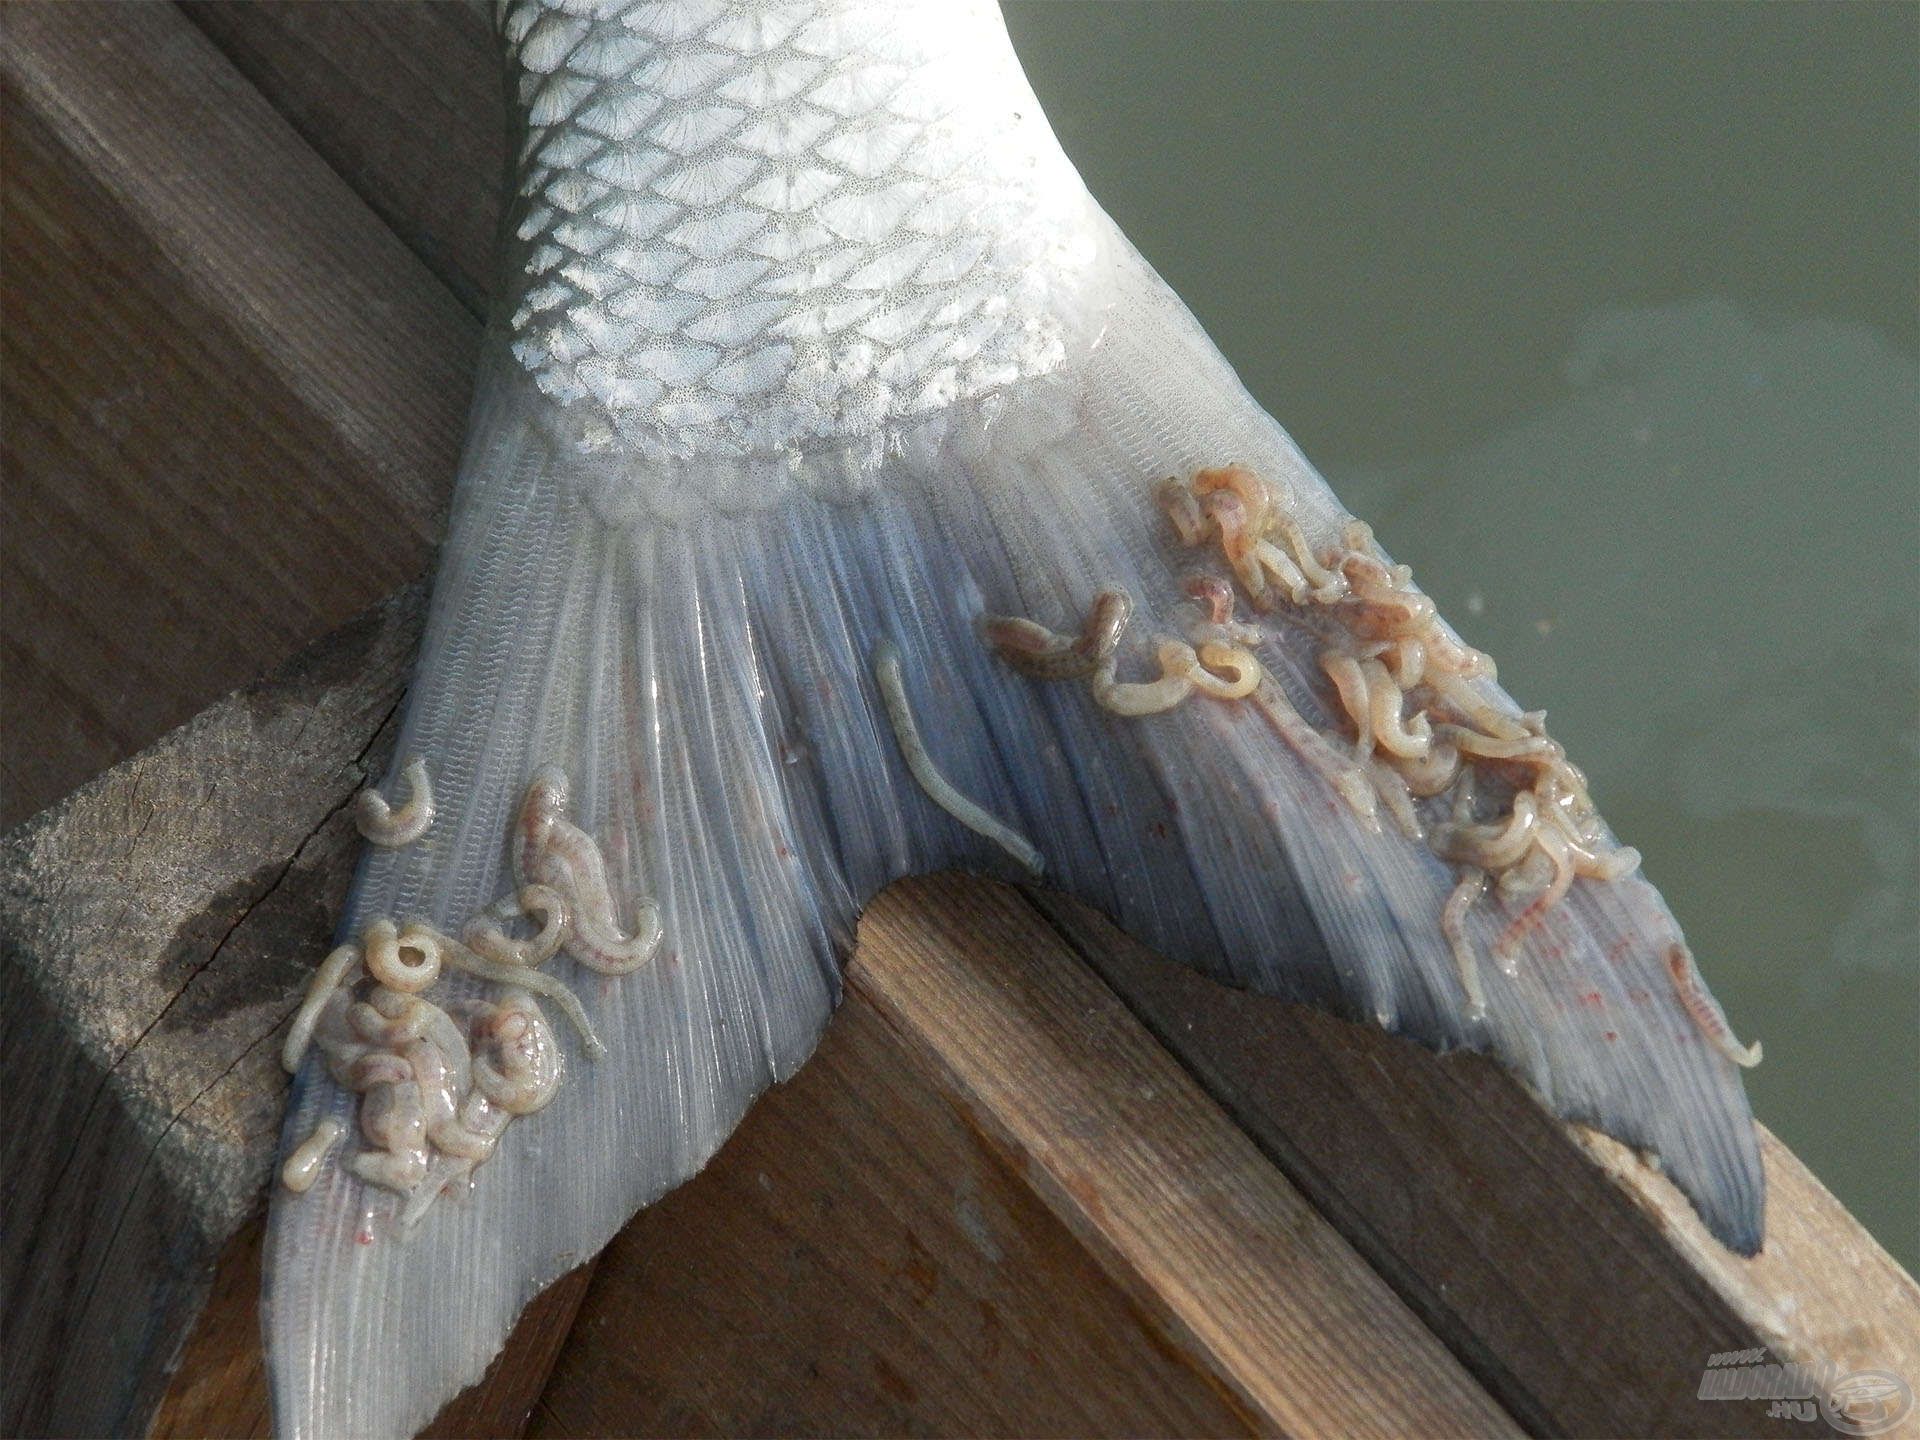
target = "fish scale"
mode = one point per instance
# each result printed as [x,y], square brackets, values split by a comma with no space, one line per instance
[886,183]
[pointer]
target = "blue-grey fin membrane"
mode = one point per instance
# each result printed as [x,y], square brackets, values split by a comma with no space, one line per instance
[693,646]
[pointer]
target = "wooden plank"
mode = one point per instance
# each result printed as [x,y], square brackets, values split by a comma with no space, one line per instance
[1415,1136]
[174,1096]
[403,101]
[219,1391]
[155,929]
[154,937]
[1577,1283]
[859,1260]
[1169,1195]
[200,319]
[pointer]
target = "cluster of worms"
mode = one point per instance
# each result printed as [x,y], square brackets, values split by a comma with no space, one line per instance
[1502,803]
[439,1083]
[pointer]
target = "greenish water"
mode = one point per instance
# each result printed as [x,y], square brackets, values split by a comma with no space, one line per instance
[1606,316]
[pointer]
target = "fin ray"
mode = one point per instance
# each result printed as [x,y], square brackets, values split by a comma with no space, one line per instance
[706,681]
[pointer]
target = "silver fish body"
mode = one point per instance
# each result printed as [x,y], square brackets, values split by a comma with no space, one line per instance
[816,352]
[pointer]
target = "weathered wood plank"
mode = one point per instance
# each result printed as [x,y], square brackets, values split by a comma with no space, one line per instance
[201,318]
[859,1260]
[155,929]
[1577,1283]
[219,1391]
[404,101]
[1173,1199]
[174,1095]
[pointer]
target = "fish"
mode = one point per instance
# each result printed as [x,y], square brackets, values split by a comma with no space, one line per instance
[845,498]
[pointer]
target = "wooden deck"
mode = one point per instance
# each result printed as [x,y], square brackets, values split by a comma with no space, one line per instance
[1035,1182]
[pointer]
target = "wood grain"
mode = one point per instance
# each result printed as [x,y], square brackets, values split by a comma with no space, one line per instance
[403,101]
[156,928]
[233,397]
[1164,1190]
[1573,1279]
[219,1391]
[859,1260]
[889,1230]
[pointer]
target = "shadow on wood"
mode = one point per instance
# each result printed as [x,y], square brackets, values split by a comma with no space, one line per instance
[233,397]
